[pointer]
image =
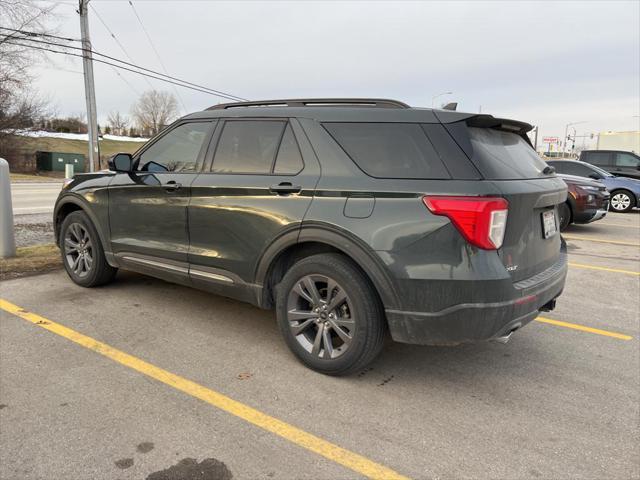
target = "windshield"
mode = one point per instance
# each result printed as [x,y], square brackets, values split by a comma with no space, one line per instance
[601,171]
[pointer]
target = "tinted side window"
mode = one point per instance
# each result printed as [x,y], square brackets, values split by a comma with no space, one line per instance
[571,168]
[289,159]
[389,150]
[582,170]
[177,151]
[598,158]
[248,146]
[453,157]
[626,160]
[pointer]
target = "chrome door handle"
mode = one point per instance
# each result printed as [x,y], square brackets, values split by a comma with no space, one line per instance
[172,186]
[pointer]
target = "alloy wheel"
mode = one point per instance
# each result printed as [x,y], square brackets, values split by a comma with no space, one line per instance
[620,201]
[321,316]
[78,249]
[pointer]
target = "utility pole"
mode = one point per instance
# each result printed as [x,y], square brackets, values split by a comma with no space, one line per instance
[89,86]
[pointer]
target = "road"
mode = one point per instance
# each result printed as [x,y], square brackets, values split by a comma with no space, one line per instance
[557,401]
[32,197]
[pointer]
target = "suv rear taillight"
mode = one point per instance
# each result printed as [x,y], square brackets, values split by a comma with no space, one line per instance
[482,221]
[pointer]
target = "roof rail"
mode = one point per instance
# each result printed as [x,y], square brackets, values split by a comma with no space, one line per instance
[316,102]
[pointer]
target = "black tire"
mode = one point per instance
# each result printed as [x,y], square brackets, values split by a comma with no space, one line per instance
[95,271]
[361,308]
[623,200]
[564,212]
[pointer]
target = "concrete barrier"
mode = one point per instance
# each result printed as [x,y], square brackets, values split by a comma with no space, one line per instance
[7,235]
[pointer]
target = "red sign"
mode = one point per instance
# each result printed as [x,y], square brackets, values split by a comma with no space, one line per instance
[550,139]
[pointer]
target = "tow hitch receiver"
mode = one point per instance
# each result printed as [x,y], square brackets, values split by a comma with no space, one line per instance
[547,307]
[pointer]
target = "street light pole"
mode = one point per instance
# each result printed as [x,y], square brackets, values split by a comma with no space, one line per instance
[566,132]
[433,99]
[89,86]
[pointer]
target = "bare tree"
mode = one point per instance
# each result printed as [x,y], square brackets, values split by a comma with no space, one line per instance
[118,123]
[20,106]
[154,110]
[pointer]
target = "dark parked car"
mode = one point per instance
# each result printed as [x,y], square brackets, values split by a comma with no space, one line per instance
[588,201]
[616,162]
[625,192]
[349,217]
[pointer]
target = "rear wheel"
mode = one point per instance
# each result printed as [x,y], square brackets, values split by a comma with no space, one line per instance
[621,201]
[564,212]
[330,315]
[82,253]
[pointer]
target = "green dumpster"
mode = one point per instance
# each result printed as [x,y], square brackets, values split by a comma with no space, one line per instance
[55,161]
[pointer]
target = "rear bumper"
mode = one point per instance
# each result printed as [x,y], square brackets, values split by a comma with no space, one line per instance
[474,322]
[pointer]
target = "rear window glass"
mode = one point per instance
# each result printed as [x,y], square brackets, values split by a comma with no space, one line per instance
[389,150]
[504,155]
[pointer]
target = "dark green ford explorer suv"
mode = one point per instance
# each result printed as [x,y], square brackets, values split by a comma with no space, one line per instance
[350,217]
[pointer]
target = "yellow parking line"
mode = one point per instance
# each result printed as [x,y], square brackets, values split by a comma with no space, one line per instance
[333,452]
[575,326]
[604,269]
[602,224]
[600,240]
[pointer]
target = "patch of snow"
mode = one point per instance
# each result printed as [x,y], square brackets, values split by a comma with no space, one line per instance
[74,136]
[123,138]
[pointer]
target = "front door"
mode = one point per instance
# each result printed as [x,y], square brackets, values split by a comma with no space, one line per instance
[256,187]
[148,207]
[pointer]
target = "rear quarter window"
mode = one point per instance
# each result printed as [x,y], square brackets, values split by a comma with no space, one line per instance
[389,150]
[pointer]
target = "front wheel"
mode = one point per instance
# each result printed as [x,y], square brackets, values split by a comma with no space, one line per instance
[82,253]
[621,201]
[330,315]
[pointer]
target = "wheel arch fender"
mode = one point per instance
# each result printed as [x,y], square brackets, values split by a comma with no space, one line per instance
[71,203]
[337,239]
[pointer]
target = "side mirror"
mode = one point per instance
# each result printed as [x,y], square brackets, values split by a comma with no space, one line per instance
[595,176]
[121,162]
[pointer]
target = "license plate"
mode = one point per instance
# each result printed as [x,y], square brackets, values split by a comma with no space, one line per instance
[549,227]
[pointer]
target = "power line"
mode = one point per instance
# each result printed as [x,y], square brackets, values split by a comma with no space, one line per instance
[38,34]
[122,68]
[133,89]
[118,42]
[186,83]
[218,92]
[155,51]
[67,39]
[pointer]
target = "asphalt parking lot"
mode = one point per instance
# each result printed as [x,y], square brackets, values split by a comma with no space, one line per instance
[153,380]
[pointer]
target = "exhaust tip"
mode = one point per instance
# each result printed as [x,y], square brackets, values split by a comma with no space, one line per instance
[505,338]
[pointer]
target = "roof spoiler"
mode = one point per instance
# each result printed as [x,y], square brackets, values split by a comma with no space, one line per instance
[483,121]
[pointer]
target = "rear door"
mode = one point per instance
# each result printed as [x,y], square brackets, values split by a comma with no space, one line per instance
[532,240]
[148,207]
[626,164]
[257,185]
[603,160]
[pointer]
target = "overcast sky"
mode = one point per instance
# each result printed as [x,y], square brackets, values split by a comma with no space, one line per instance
[548,63]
